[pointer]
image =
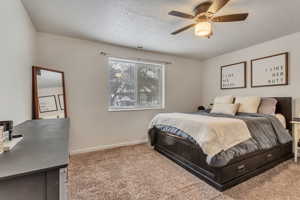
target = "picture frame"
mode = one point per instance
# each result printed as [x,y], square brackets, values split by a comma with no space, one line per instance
[270,71]
[61,101]
[47,104]
[234,76]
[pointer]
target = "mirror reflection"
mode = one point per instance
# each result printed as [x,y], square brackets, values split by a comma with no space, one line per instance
[50,95]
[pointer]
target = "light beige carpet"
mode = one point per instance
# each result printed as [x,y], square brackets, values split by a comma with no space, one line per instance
[140,173]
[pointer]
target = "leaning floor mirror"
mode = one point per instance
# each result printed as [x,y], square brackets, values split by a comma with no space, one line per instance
[49,96]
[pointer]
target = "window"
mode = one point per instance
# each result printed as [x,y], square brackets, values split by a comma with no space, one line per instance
[135,85]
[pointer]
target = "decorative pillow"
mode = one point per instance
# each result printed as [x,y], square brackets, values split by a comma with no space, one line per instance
[267,106]
[229,109]
[224,100]
[281,118]
[248,104]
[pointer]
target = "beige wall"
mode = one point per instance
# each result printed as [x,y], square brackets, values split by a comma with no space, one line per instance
[92,126]
[211,70]
[17,50]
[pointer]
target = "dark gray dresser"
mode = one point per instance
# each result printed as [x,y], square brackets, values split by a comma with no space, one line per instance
[36,169]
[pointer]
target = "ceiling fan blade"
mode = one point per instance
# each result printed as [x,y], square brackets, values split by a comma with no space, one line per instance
[230,18]
[181,14]
[202,7]
[183,29]
[217,5]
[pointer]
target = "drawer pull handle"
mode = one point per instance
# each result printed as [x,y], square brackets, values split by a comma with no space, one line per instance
[241,168]
[269,155]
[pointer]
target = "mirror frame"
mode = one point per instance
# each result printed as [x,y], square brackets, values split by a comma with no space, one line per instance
[35,100]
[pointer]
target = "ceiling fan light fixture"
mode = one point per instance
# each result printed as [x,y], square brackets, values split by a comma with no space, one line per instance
[203,29]
[204,15]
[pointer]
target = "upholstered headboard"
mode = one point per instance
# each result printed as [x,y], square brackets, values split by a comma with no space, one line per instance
[284,107]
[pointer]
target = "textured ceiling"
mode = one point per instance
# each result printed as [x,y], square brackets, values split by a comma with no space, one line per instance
[133,23]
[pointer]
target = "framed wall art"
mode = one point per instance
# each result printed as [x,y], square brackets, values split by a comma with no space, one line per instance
[270,71]
[47,104]
[233,76]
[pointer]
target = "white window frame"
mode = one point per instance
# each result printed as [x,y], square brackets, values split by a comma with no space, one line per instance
[139,108]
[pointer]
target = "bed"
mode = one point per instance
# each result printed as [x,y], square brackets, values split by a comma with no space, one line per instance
[190,156]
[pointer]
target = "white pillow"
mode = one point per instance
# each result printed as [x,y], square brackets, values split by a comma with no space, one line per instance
[224,100]
[229,109]
[248,104]
[281,118]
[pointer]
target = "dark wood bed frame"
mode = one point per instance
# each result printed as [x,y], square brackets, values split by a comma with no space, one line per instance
[192,158]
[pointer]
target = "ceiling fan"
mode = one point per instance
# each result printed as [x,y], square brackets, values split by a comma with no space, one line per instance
[204,16]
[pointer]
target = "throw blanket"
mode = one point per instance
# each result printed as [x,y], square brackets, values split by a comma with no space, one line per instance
[213,134]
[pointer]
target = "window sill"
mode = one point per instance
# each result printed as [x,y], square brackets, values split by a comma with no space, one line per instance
[133,109]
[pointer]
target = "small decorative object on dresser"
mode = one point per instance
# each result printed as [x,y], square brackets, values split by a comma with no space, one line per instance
[201,108]
[8,140]
[296,135]
[233,76]
[270,71]
[7,128]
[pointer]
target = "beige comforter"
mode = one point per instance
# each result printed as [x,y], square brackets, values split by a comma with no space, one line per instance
[213,134]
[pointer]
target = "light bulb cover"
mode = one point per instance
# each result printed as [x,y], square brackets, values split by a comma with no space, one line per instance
[203,29]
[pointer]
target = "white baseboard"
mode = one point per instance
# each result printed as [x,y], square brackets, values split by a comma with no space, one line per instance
[109,146]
